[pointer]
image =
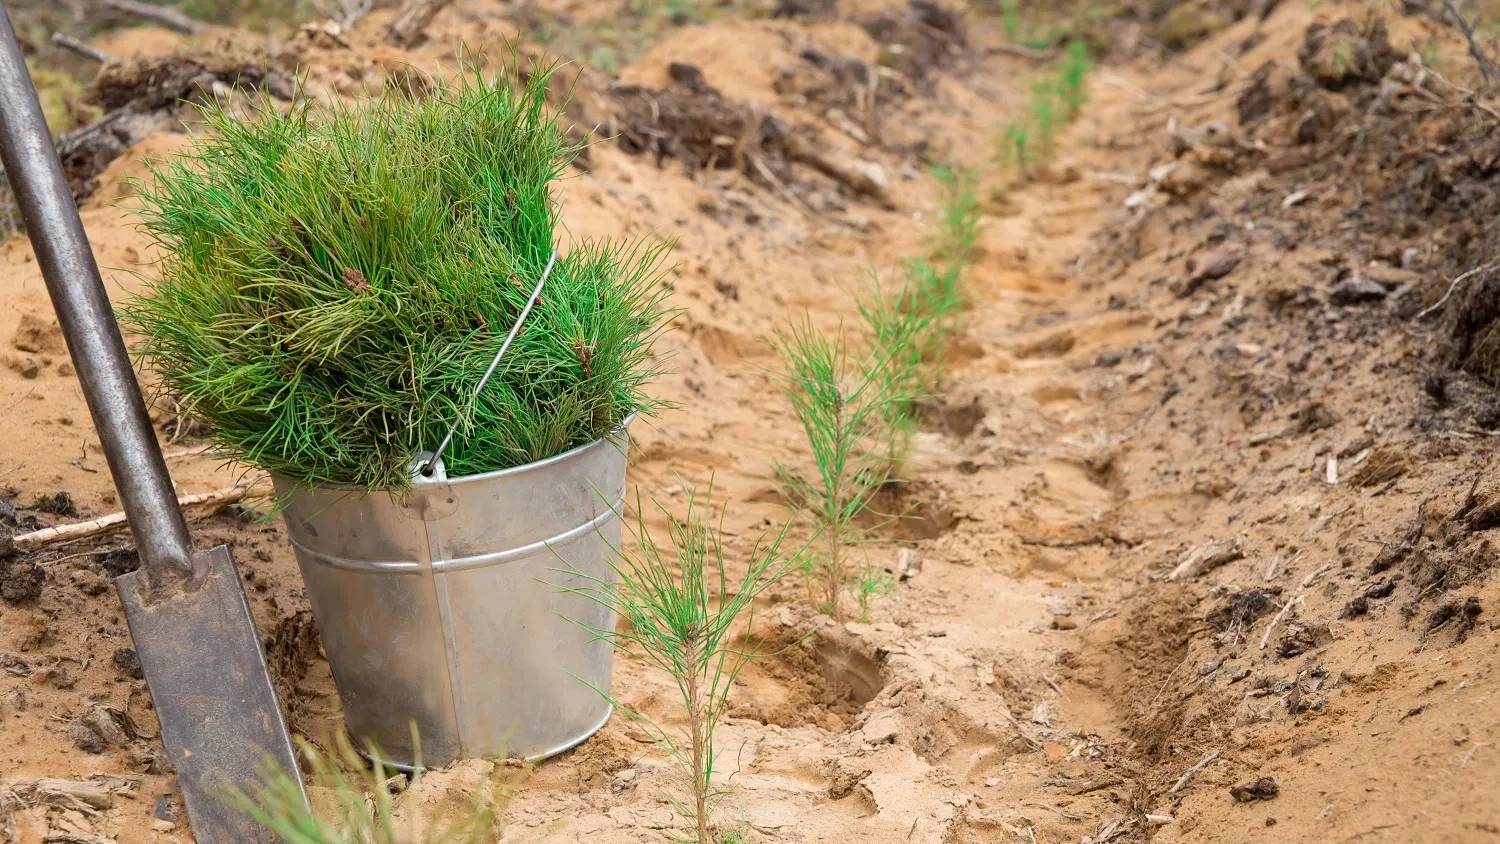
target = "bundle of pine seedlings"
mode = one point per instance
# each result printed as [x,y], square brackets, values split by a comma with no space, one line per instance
[337,278]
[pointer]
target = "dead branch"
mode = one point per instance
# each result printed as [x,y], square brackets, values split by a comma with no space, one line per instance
[410,25]
[1265,640]
[345,13]
[1188,774]
[94,527]
[1486,65]
[87,51]
[170,18]
[1021,51]
[1452,286]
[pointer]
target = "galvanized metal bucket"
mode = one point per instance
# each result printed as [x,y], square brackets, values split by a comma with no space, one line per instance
[439,606]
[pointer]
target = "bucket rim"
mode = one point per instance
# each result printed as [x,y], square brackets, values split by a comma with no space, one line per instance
[619,430]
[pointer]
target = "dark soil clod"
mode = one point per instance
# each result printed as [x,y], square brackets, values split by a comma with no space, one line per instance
[57,504]
[21,581]
[129,663]
[1242,609]
[1264,788]
[120,561]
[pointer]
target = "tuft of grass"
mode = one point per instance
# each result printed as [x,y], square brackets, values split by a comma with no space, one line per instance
[681,614]
[360,807]
[846,403]
[338,278]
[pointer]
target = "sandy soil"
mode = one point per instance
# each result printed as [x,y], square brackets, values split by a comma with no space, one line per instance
[1135,555]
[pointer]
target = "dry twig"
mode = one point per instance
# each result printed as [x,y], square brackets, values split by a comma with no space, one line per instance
[94,527]
[1486,64]
[1188,774]
[1452,286]
[170,18]
[86,50]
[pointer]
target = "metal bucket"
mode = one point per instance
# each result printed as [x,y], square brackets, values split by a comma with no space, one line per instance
[439,606]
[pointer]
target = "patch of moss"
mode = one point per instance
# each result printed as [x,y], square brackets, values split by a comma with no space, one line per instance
[62,100]
[1187,24]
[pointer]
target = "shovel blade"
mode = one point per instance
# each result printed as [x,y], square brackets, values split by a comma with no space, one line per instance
[220,722]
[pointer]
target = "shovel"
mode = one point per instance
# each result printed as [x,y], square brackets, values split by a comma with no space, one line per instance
[187,612]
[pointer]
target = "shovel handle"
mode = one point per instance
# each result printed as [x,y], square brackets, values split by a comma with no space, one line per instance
[88,321]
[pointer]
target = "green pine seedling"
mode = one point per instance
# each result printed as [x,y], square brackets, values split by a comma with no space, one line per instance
[1011,16]
[872,583]
[846,403]
[682,614]
[363,810]
[1071,78]
[1014,152]
[1044,116]
[337,278]
[958,221]
[902,332]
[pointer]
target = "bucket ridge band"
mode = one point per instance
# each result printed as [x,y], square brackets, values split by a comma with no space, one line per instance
[460,563]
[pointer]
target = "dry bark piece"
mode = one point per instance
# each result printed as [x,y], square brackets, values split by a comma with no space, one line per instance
[410,25]
[1207,557]
[1357,290]
[1216,263]
[1385,464]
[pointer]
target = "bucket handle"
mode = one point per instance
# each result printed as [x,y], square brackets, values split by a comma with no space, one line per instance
[432,464]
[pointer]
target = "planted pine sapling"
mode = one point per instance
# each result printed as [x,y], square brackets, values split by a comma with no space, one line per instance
[682,614]
[1044,116]
[358,807]
[1071,78]
[845,402]
[1010,11]
[1014,151]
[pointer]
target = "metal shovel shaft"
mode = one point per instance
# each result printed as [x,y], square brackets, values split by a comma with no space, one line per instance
[220,721]
[83,309]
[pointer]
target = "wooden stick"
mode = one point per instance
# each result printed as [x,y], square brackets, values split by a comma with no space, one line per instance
[410,25]
[1021,51]
[170,18]
[1452,286]
[1293,601]
[82,49]
[1486,65]
[1188,774]
[94,527]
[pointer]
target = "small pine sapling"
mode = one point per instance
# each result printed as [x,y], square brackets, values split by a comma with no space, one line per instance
[845,403]
[1072,76]
[1014,152]
[358,807]
[1044,115]
[873,583]
[1010,11]
[681,615]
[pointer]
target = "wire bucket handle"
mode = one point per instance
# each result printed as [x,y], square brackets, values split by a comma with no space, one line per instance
[426,465]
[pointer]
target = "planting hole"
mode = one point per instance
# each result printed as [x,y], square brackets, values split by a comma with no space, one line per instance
[814,682]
